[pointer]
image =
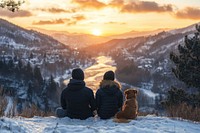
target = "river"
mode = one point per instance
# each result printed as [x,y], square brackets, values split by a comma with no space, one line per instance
[94,74]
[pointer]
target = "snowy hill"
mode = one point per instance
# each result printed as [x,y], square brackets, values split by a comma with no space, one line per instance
[33,66]
[19,38]
[148,55]
[133,34]
[143,124]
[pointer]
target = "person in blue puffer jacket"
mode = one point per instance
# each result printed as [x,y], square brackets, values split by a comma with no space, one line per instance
[109,97]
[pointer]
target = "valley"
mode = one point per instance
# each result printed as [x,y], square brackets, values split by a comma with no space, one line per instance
[140,62]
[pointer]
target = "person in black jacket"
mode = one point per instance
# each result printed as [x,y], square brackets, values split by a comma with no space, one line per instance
[77,100]
[109,97]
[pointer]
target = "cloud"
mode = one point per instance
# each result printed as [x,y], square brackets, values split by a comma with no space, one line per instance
[116,3]
[72,23]
[133,6]
[145,6]
[189,13]
[90,3]
[79,17]
[111,22]
[69,21]
[47,22]
[54,10]
[58,10]
[76,19]
[20,13]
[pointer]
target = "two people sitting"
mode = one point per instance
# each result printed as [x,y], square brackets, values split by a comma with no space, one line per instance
[78,101]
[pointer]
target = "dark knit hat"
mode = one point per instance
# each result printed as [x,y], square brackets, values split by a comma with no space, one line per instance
[78,74]
[109,75]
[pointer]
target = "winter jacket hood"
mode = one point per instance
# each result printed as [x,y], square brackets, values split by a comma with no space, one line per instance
[76,85]
[109,86]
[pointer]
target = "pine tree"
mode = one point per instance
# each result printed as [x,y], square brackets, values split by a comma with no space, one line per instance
[1,64]
[187,61]
[31,56]
[11,64]
[30,91]
[52,89]
[38,75]
[52,83]
[20,64]
[29,71]
[15,58]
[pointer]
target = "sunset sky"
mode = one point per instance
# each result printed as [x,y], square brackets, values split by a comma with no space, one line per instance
[105,17]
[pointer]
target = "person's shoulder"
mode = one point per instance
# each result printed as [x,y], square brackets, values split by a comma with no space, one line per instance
[99,90]
[65,90]
[88,89]
[117,85]
[120,92]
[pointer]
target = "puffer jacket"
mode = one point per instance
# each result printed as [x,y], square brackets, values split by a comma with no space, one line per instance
[109,99]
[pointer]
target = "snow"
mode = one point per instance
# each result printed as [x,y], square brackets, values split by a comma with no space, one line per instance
[183,30]
[26,35]
[143,124]
[144,89]
[9,108]
[6,40]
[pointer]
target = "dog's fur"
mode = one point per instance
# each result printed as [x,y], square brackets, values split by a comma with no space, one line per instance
[130,107]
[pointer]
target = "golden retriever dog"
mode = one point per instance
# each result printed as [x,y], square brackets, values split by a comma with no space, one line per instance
[130,107]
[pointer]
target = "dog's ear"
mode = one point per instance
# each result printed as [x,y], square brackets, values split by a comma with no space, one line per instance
[126,92]
[136,92]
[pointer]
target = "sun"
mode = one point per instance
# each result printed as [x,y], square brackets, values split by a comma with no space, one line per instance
[96,32]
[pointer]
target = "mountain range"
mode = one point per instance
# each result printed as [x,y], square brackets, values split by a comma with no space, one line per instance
[73,40]
[146,56]
[78,40]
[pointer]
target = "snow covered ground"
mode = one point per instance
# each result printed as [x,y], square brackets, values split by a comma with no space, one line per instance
[143,124]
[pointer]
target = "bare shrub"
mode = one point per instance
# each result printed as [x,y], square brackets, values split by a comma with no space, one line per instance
[33,110]
[10,110]
[147,113]
[184,111]
[3,102]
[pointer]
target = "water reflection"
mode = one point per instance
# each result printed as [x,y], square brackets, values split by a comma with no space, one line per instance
[94,74]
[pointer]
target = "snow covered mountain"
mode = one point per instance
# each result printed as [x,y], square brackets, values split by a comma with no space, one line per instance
[133,34]
[73,40]
[76,40]
[146,58]
[20,38]
[33,67]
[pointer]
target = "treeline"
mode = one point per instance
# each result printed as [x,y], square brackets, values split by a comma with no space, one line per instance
[28,76]
[128,71]
[158,79]
[181,103]
[25,83]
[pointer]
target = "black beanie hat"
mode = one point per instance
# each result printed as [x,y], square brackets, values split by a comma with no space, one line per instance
[78,74]
[109,75]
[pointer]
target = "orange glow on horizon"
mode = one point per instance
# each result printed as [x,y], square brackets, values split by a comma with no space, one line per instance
[104,17]
[96,32]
